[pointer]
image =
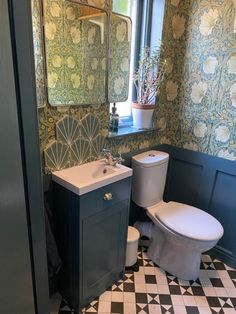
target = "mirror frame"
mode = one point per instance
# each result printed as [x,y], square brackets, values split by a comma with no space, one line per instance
[38,48]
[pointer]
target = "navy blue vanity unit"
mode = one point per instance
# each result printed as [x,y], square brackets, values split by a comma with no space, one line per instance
[92,239]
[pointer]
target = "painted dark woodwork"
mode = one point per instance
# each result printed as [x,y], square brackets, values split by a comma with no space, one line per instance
[22,238]
[92,240]
[184,171]
[209,183]
[22,35]
[204,181]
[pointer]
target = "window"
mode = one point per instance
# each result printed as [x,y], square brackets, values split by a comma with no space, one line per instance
[147,20]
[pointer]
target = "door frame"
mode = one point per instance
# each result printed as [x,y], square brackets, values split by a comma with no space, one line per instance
[25,87]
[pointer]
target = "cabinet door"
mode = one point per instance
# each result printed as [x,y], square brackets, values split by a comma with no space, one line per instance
[104,244]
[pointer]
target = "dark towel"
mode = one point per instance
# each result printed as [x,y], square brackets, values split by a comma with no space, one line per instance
[54,260]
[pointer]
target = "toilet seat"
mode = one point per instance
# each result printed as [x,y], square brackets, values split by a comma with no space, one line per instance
[187,221]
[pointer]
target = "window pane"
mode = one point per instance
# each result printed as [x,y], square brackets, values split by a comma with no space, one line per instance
[157,22]
[129,7]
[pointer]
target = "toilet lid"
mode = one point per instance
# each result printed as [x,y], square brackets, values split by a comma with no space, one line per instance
[189,221]
[133,234]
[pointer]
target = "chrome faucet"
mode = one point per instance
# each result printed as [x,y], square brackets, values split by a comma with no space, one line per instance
[111,160]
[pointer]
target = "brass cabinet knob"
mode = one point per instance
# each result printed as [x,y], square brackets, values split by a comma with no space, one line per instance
[107,196]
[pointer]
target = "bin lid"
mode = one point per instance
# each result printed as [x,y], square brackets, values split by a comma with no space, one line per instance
[133,234]
[150,158]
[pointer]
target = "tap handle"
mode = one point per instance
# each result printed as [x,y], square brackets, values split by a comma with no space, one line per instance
[106,151]
[120,158]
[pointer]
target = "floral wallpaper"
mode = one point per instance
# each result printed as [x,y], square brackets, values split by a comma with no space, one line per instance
[56,147]
[75,53]
[72,78]
[197,105]
[119,74]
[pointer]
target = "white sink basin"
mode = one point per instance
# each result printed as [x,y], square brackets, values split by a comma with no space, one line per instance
[90,176]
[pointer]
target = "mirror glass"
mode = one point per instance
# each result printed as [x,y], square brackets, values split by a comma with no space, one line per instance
[73,44]
[119,58]
[39,60]
[76,53]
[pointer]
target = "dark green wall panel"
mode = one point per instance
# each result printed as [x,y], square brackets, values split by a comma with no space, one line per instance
[209,183]
[16,272]
[223,206]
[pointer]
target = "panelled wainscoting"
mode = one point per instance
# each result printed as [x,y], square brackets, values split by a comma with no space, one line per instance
[154,291]
[208,183]
[203,181]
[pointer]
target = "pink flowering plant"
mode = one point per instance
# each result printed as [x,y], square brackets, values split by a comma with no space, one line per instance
[149,75]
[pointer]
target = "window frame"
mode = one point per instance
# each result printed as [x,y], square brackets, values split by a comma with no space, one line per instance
[143,35]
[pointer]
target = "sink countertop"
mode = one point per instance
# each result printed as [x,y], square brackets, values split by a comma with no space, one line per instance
[90,176]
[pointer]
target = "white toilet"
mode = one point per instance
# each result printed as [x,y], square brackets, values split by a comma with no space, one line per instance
[181,232]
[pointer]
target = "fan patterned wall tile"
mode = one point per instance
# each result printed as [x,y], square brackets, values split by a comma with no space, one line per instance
[72,147]
[97,143]
[56,156]
[90,127]
[197,104]
[67,130]
[80,151]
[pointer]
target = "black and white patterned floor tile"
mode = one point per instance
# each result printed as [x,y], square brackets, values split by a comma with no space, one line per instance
[151,290]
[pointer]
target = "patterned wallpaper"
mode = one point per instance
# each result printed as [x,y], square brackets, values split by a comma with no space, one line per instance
[59,151]
[197,104]
[198,100]
[118,74]
[77,141]
[75,53]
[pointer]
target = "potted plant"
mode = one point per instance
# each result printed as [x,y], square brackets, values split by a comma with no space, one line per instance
[147,79]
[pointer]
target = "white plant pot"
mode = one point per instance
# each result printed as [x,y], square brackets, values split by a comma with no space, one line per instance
[142,118]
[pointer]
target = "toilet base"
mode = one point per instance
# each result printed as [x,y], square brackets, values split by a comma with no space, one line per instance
[174,257]
[134,267]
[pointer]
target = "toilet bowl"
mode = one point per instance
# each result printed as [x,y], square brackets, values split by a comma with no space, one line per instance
[180,232]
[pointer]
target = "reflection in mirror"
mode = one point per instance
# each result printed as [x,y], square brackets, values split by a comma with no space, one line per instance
[75,49]
[39,61]
[119,61]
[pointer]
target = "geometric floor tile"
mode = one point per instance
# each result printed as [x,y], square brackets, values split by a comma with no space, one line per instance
[151,290]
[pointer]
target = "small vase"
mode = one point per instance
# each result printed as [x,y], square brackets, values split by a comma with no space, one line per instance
[142,115]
